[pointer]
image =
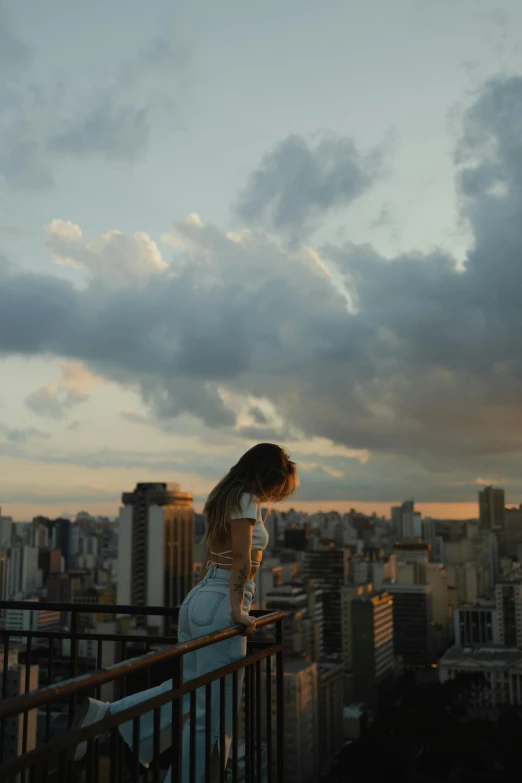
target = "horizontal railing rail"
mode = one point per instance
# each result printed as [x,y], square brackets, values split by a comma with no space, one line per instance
[53,606]
[260,732]
[75,686]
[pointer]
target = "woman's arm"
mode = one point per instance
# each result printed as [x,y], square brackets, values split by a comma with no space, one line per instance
[241,534]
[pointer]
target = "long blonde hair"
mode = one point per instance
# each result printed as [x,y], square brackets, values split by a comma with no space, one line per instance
[265,472]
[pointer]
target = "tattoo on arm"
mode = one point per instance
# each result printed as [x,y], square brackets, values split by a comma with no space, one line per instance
[239,586]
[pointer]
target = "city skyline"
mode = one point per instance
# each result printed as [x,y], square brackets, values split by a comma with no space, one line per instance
[220,227]
[443,511]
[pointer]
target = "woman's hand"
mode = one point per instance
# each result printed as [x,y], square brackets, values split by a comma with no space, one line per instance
[246,621]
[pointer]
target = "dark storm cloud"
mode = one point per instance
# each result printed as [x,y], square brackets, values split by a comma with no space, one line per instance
[299,182]
[425,364]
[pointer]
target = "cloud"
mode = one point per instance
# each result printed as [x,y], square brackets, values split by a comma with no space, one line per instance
[113,257]
[113,132]
[20,435]
[422,374]
[74,387]
[14,53]
[115,122]
[43,123]
[299,183]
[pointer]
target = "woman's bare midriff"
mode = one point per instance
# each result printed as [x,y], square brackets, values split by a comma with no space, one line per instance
[255,557]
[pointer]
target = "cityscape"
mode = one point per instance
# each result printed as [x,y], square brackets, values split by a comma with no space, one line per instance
[369,602]
[260,391]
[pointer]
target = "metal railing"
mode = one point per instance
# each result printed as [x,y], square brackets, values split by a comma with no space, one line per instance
[257,727]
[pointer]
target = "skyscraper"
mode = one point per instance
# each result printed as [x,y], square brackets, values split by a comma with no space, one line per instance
[156,541]
[492,508]
[329,567]
[413,635]
[303,605]
[372,645]
[508,601]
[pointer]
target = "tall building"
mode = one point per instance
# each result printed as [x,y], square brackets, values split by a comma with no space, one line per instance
[6,531]
[301,722]
[476,625]
[433,574]
[492,508]
[23,570]
[328,566]
[19,680]
[156,540]
[372,645]
[508,602]
[330,713]
[304,620]
[406,522]
[510,539]
[413,635]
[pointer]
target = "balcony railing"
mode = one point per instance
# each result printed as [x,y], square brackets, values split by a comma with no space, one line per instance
[35,735]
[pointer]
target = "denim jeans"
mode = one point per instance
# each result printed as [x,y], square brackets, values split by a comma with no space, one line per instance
[206,609]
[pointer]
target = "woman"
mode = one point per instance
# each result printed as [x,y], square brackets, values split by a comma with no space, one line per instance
[236,538]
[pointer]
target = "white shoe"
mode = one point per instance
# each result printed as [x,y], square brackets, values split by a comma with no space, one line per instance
[90,711]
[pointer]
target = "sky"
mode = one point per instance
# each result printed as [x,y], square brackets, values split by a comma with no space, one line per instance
[225,223]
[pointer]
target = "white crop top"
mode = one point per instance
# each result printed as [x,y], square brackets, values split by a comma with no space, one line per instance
[250,509]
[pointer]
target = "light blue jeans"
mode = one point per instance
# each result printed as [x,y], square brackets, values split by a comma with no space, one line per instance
[206,609]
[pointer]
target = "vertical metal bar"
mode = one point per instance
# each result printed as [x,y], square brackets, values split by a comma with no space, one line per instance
[208,732]
[280,698]
[259,734]
[135,750]
[115,757]
[177,721]
[248,746]
[252,723]
[147,650]
[4,693]
[99,664]
[269,719]
[50,662]
[192,730]
[91,761]
[222,719]
[27,671]
[62,768]
[74,659]
[235,710]
[123,680]
[156,746]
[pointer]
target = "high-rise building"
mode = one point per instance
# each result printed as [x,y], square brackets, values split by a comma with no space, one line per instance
[6,531]
[20,679]
[372,645]
[23,570]
[301,722]
[492,508]
[508,601]
[330,711]
[510,539]
[476,625]
[406,522]
[413,634]
[156,540]
[304,620]
[328,566]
